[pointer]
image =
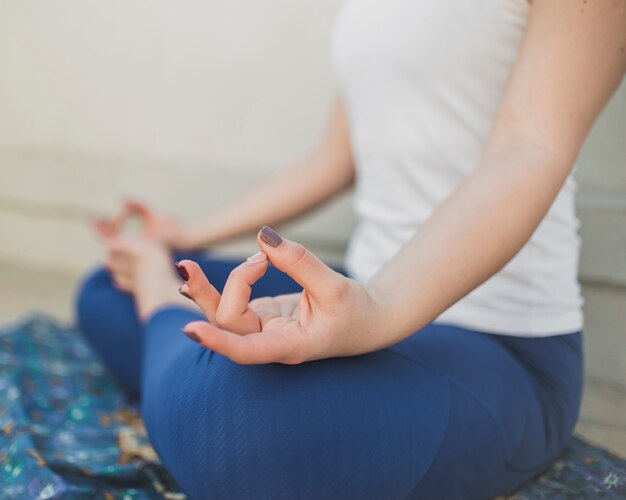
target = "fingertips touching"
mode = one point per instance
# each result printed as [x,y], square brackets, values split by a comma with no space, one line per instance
[135,208]
[101,226]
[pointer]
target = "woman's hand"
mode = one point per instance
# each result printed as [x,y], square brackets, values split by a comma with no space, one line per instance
[154,225]
[332,316]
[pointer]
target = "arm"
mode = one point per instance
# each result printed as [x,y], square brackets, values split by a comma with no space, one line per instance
[302,186]
[571,61]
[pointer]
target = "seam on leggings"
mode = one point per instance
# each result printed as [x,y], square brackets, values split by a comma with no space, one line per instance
[497,425]
[416,362]
[531,373]
[469,391]
[539,381]
[507,458]
[436,454]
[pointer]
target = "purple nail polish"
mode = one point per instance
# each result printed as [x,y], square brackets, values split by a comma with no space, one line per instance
[184,274]
[271,237]
[183,293]
[193,336]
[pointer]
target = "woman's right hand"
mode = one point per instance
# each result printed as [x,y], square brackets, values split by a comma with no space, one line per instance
[154,225]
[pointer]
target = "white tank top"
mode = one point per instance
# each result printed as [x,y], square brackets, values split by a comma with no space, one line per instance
[421,81]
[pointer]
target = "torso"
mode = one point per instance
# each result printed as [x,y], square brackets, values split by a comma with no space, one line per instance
[421,81]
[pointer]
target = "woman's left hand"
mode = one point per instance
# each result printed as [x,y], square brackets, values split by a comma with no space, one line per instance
[332,316]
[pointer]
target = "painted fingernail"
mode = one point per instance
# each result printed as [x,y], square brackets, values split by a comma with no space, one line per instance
[271,237]
[192,335]
[183,293]
[184,274]
[257,258]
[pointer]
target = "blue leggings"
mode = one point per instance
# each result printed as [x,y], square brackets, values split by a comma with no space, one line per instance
[446,413]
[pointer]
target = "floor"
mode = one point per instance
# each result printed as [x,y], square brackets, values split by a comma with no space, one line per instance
[23,291]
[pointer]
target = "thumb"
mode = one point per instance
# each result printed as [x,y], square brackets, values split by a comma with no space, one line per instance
[298,262]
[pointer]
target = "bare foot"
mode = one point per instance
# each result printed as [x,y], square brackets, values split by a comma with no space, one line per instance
[144,268]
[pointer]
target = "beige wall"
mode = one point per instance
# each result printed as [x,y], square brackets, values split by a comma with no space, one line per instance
[602,210]
[183,103]
[178,103]
[230,83]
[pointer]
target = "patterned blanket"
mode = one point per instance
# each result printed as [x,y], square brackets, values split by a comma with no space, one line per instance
[66,431]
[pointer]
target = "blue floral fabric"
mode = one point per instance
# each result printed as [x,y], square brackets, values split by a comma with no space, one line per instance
[67,431]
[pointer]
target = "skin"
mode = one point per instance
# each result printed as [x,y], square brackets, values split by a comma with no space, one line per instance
[571,61]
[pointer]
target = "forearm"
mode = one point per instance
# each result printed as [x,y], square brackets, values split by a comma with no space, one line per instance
[548,106]
[291,192]
[469,238]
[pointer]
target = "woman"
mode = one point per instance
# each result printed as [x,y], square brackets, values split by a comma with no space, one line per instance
[448,362]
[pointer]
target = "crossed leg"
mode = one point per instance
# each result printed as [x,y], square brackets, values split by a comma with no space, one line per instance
[446,413]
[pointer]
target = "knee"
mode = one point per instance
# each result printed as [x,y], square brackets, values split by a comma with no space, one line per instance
[198,415]
[90,292]
[104,314]
[231,431]
[107,319]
